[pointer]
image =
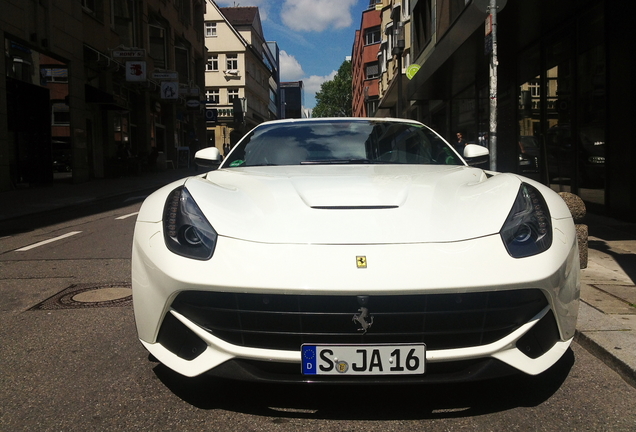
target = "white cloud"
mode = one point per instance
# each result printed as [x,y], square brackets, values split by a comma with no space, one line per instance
[290,68]
[313,83]
[317,15]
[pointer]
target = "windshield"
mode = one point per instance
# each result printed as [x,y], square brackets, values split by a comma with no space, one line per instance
[341,142]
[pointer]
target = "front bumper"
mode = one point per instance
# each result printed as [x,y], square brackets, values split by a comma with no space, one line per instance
[474,266]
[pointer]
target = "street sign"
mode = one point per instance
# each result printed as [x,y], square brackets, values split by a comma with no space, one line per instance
[129,53]
[193,104]
[135,71]
[189,91]
[412,70]
[169,90]
[170,75]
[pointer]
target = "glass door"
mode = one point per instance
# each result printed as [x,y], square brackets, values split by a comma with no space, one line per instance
[530,154]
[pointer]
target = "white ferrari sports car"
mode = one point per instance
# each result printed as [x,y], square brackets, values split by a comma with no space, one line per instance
[354,250]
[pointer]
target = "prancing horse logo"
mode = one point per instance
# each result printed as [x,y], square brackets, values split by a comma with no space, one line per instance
[363,318]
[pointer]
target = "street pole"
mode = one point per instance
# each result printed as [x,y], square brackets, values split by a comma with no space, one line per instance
[398,49]
[492,135]
[399,85]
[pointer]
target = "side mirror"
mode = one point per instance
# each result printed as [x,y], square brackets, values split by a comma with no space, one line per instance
[476,154]
[209,157]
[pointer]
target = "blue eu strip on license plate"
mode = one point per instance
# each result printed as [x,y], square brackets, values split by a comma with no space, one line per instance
[405,359]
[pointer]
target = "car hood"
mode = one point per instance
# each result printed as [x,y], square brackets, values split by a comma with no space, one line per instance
[354,204]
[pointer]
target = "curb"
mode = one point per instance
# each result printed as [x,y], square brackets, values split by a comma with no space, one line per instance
[604,337]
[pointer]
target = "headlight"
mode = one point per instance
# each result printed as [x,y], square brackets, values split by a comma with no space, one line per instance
[185,230]
[527,230]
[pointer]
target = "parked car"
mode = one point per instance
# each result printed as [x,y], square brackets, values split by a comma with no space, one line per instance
[528,154]
[354,250]
[590,155]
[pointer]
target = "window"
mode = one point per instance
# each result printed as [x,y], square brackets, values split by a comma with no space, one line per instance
[122,20]
[232,94]
[182,63]
[372,106]
[212,96]
[185,11]
[232,61]
[372,70]
[94,7]
[158,46]
[210,29]
[212,63]
[535,88]
[423,24]
[55,74]
[60,114]
[372,35]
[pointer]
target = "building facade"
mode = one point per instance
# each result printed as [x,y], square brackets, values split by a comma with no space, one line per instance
[394,57]
[241,74]
[365,65]
[563,93]
[78,94]
[293,99]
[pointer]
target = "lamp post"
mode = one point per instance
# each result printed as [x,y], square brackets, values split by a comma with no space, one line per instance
[398,49]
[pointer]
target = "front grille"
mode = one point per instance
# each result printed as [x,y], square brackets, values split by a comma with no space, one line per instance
[285,322]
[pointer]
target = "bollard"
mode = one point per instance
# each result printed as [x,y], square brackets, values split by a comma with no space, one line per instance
[578,211]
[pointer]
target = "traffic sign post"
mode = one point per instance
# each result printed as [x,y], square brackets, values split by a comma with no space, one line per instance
[492,134]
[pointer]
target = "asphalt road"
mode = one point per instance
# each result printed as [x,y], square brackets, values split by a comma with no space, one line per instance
[69,365]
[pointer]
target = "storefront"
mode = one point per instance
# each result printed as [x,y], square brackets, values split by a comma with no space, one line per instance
[563,91]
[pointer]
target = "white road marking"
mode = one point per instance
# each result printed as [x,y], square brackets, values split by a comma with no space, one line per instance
[42,243]
[127,216]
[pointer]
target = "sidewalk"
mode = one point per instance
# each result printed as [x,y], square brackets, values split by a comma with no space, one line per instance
[607,315]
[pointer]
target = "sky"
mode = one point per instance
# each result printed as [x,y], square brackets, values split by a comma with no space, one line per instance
[314,36]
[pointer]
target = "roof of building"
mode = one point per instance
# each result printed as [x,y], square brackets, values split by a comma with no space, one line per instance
[244,15]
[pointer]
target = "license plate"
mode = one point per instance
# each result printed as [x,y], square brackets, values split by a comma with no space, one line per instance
[405,359]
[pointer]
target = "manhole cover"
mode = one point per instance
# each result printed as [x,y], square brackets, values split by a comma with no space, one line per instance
[83,296]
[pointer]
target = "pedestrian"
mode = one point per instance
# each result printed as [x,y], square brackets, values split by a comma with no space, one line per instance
[460,143]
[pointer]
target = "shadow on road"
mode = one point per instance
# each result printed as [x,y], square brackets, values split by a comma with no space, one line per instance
[34,221]
[377,402]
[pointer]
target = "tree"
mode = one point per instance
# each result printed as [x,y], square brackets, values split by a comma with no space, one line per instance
[335,96]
